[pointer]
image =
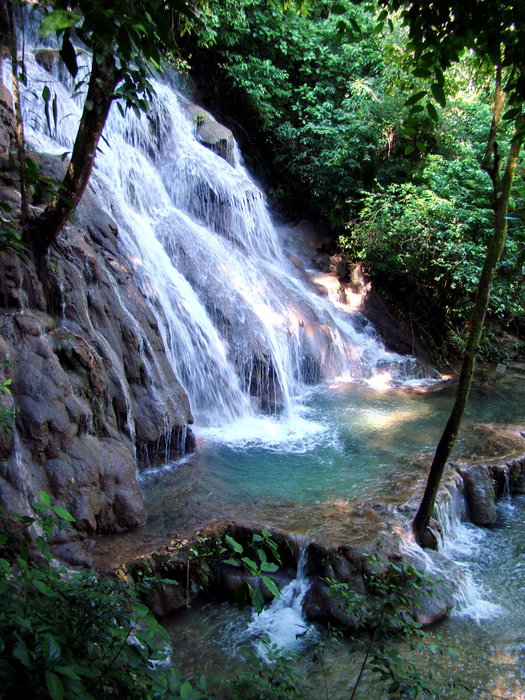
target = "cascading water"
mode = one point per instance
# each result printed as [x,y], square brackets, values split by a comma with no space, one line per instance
[236,318]
[282,624]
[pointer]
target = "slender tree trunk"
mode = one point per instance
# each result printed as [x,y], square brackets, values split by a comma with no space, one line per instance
[43,230]
[9,23]
[502,188]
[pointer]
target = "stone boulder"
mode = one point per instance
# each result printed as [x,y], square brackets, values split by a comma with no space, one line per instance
[480,494]
[211,134]
[517,475]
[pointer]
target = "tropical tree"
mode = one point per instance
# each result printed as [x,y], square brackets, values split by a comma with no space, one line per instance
[493,31]
[127,42]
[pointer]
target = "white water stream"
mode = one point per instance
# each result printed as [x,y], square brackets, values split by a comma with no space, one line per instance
[243,328]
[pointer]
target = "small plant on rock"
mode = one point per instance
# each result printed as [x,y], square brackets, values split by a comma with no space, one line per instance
[256,561]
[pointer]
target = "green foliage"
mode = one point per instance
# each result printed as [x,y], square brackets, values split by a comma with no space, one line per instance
[316,101]
[386,612]
[255,560]
[74,634]
[439,34]
[7,414]
[425,242]
[139,35]
[276,678]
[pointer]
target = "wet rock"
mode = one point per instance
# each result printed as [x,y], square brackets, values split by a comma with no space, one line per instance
[480,494]
[166,599]
[436,599]
[500,476]
[218,138]
[326,605]
[7,121]
[91,380]
[73,553]
[212,134]
[517,475]
[47,58]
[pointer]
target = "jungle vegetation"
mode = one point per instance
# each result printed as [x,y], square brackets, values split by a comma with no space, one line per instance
[348,130]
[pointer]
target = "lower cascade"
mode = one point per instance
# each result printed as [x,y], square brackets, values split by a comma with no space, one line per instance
[282,624]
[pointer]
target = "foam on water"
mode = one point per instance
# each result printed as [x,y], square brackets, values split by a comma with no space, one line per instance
[277,434]
[282,625]
[463,543]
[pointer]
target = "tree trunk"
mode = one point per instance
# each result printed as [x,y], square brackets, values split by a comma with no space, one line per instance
[43,230]
[502,188]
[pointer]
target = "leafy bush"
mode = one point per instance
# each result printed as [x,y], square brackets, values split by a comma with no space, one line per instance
[386,612]
[74,634]
[425,242]
[253,561]
[312,101]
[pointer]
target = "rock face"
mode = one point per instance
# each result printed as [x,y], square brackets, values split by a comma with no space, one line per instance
[7,121]
[480,495]
[211,134]
[96,396]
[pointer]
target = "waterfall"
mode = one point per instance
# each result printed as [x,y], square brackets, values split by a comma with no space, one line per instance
[282,624]
[244,329]
[460,541]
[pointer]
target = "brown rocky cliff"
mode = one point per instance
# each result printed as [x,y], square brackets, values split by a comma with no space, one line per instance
[95,394]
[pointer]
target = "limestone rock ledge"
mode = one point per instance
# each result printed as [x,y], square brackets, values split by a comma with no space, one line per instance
[95,395]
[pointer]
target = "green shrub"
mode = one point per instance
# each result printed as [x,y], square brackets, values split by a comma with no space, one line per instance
[71,633]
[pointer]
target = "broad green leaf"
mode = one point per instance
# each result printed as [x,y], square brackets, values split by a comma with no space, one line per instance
[51,648]
[63,513]
[20,652]
[232,562]
[269,566]
[57,21]
[174,681]
[250,564]
[69,55]
[233,544]
[271,586]
[432,112]
[440,78]
[188,692]
[42,587]
[439,94]
[258,600]
[45,498]
[415,98]
[243,595]
[67,671]
[422,73]
[54,686]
